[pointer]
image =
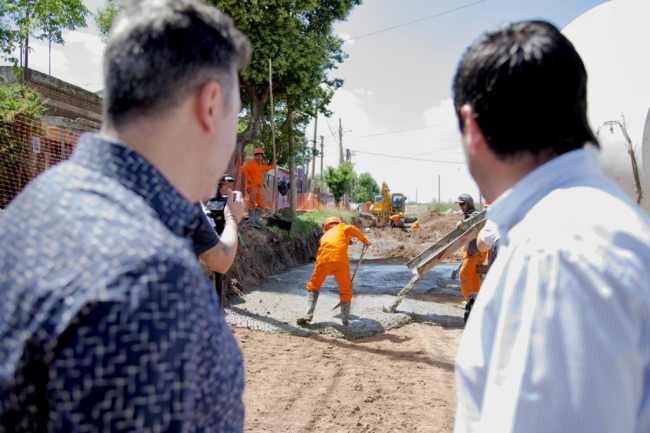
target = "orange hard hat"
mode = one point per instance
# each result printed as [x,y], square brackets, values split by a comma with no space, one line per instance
[329,221]
[257,150]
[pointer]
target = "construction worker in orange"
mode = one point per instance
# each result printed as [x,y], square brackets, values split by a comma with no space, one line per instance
[470,281]
[332,259]
[368,204]
[393,220]
[253,171]
[416,226]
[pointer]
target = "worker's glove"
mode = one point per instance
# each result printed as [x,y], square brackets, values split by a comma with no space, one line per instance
[368,244]
[459,224]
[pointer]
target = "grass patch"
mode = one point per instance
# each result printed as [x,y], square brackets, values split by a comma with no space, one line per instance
[443,207]
[307,222]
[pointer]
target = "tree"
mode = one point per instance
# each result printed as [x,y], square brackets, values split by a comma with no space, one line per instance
[365,189]
[339,180]
[44,19]
[297,36]
[55,16]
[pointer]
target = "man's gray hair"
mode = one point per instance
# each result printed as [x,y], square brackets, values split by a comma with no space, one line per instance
[160,51]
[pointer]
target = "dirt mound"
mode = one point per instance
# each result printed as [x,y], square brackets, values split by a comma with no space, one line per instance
[364,220]
[406,251]
[429,216]
[266,254]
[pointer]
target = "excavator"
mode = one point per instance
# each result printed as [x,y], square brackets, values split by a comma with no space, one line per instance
[388,204]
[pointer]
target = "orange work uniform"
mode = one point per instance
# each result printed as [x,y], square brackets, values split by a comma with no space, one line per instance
[470,281]
[368,204]
[253,173]
[332,259]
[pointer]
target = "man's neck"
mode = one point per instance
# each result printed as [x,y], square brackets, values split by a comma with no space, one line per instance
[158,145]
[506,174]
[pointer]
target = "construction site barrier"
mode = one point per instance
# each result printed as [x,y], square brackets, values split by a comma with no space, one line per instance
[27,148]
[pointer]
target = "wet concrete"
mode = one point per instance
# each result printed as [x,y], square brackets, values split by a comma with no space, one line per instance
[275,305]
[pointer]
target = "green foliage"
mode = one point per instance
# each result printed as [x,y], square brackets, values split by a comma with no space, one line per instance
[365,189]
[16,169]
[52,16]
[45,19]
[339,180]
[104,17]
[18,101]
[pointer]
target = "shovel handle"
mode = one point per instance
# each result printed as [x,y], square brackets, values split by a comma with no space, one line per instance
[363,251]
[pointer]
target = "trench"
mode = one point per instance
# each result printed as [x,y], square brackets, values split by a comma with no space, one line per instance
[275,305]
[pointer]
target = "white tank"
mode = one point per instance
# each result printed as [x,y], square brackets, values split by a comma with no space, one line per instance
[613,40]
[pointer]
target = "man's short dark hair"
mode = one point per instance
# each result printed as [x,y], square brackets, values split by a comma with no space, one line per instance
[160,51]
[528,89]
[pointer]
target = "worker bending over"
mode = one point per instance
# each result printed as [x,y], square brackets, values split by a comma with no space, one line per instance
[253,171]
[393,220]
[470,281]
[332,259]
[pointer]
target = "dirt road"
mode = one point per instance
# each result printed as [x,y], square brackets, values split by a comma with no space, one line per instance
[398,381]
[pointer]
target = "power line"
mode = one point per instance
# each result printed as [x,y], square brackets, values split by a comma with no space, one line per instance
[416,21]
[402,130]
[413,159]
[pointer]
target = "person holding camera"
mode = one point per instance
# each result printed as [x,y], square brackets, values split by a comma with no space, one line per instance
[253,172]
[217,251]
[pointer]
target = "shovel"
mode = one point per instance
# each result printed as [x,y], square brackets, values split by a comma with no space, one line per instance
[363,251]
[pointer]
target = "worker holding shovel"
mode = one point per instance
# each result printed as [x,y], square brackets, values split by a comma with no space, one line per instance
[332,259]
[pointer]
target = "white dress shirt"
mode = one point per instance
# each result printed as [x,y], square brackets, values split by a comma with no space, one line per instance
[559,337]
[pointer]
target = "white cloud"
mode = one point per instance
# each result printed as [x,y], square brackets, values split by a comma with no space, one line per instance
[346,37]
[362,91]
[92,43]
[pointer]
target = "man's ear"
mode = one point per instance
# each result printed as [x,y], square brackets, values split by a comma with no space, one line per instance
[473,138]
[208,105]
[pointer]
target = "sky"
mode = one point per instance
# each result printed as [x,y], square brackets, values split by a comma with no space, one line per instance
[395,80]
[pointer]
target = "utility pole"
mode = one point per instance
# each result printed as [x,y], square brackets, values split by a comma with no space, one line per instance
[321,157]
[438,188]
[340,142]
[313,152]
[275,163]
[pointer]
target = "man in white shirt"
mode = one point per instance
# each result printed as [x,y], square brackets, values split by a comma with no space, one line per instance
[559,339]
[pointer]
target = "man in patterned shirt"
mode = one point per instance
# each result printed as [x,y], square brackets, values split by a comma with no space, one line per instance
[107,321]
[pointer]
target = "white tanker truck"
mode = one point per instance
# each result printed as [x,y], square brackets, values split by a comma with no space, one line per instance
[613,40]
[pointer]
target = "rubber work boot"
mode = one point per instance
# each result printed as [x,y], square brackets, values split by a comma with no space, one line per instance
[253,218]
[345,313]
[312,297]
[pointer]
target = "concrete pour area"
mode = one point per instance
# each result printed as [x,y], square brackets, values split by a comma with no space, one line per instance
[275,305]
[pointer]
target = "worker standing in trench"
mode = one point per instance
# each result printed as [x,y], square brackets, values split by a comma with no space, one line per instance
[253,172]
[470,281]
[332,259]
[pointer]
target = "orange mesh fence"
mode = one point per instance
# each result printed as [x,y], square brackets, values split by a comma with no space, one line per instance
[306,202]
[27,148]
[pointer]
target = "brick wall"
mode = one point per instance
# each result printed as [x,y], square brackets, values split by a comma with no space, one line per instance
[62,99]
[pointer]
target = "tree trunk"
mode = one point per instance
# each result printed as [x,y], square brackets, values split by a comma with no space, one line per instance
[292,165]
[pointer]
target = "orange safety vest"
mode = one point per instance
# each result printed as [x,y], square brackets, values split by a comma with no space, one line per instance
[334,244]
[253,172]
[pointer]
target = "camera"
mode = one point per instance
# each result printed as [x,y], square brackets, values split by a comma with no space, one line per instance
[217,204]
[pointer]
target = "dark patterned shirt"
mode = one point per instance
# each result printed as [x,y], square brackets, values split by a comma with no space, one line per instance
[107,322]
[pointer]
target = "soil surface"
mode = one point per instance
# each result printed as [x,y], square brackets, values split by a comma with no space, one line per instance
[405,243]
[398,381]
